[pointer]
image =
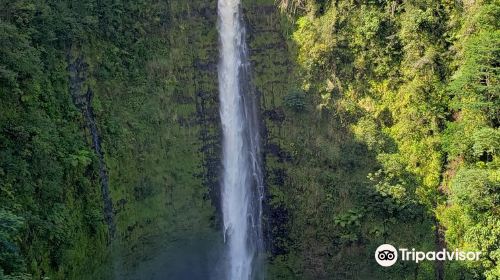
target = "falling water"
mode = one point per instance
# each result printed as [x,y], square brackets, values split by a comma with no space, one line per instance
[242,184]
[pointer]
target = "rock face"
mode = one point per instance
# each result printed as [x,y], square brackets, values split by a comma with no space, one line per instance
[117,103]
[82,98]
[131,116]
[142,129]
[162,138]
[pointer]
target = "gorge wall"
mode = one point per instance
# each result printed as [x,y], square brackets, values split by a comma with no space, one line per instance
[349,162]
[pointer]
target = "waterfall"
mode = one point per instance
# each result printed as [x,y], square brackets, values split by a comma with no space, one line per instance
[242,183]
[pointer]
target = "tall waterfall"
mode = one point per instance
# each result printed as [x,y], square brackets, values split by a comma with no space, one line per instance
[242,183]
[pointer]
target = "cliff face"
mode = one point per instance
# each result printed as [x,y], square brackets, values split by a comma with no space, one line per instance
[162,136]
[324,216]
[123,153]
[370,108]
[82,99]
[152,127]
[315,170]
[110,137]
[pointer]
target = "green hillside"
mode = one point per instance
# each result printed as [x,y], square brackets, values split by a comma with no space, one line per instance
[380,124]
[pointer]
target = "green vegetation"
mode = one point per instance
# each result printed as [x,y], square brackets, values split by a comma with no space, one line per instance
[381,126]
[140,74]
[417,84]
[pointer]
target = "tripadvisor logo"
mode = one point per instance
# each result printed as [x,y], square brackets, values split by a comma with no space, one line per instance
[387,255]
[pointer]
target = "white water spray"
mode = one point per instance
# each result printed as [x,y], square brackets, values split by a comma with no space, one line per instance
[242,184]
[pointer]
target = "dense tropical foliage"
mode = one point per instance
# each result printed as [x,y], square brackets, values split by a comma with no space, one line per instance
[380,125]
[418,81]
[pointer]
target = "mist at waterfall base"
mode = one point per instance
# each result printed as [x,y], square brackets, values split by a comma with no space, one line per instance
[191,258]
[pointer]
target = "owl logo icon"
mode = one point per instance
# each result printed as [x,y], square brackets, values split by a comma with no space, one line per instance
[386,255]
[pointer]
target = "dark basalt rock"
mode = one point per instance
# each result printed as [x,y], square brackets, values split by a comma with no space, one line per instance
[83,101]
